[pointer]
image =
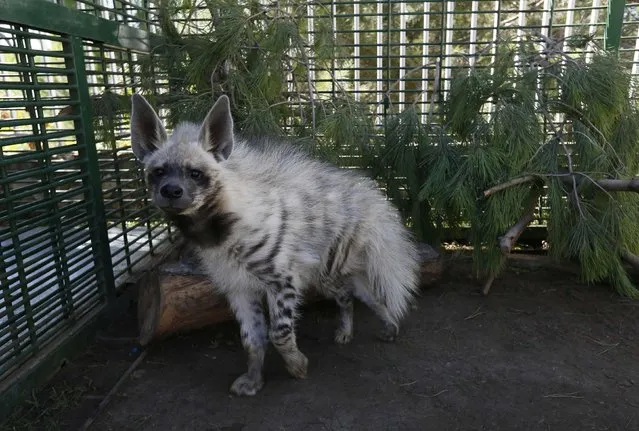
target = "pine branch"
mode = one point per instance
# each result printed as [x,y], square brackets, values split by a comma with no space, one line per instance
[511,183]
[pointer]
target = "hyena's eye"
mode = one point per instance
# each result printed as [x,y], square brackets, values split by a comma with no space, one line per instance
[195,174]
[158,172]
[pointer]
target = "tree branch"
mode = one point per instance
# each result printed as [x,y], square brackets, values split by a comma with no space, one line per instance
[513,182]
[605,184]
[630,258]
[631,185]
[508,241]
[487,285]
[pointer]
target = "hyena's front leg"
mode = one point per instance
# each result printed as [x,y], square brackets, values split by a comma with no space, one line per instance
[282,301]
[247,308]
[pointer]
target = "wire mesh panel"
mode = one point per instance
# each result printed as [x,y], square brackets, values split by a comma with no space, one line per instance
[629,44]
[135,227]
[74,218]
[48,271]
[133,13]
[404,53]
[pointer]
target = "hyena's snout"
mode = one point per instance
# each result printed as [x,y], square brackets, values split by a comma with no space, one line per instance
[171,191]
[172,197]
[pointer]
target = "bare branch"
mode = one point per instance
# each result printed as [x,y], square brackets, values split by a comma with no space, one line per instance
[487,285]
[630,258]
[631,185]
[606,185]
[513,182]
[508,241]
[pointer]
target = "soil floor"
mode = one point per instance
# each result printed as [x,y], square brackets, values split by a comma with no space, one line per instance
[541,352]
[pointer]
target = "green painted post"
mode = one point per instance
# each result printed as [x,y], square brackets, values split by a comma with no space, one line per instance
[614,23]
[86,139]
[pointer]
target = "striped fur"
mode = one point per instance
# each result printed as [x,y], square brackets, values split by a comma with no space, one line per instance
[269,222]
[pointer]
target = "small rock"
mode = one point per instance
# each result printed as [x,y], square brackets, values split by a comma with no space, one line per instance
[137,374]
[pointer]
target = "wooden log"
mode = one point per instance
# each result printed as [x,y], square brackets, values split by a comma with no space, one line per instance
[177,297]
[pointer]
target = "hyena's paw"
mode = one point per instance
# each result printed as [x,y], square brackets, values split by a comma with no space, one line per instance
[246,385]
[297,366]
[389,333]
[343,336]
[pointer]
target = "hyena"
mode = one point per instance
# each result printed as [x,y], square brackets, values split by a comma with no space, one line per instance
[269,222]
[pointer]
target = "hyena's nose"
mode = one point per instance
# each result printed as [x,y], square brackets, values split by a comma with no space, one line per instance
[171,191]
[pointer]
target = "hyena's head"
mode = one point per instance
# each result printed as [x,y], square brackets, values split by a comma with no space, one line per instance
[183,169]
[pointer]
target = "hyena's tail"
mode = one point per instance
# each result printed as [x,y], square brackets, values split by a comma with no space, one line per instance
[392,267]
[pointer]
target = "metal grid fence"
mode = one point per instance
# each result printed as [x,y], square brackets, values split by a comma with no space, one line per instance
[74,217]
[394,53]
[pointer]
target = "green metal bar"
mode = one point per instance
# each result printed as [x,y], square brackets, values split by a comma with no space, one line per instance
[74,258]
[28,173]
[67,345]
[16,50]
[38,69]
[614,23]
[25,209]
[17,255]
[31,243]
[139,247]
[54,229]
[28,33]
[32,86]
[31,250]
[36,137]
[48,16]
[36,188]
[7,301]
[27,121]
[101,240]
[47,102]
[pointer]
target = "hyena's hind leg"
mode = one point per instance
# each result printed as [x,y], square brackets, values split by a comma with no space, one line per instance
[342,291]
[363,293]
[283,298]
[344,331]
[247,307]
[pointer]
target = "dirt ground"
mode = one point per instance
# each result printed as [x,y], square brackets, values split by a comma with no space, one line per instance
[542,352]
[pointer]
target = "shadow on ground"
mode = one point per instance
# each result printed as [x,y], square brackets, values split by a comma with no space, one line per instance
[541,352]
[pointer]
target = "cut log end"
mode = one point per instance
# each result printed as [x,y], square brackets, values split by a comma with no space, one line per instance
[170,303]
[177,297]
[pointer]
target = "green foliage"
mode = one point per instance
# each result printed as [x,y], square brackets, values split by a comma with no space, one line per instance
[583,125]
[258,54]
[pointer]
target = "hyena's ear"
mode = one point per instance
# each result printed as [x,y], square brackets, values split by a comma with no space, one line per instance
[216,134]
[147,131]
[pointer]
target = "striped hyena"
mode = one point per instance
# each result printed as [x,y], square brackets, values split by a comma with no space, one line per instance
[268,222]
